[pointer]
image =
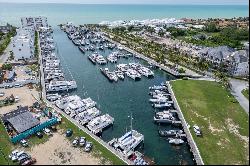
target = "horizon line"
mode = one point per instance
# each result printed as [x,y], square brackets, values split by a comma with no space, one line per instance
[123,3]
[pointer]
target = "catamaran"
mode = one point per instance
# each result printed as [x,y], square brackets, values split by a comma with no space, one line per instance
[98,124]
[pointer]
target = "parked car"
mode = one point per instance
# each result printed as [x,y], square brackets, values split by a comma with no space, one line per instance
[13,153]
[2,94]
[17,99]
[69,133]
[39,135]
[23,157]
[47,131]
[75,142]
[197,130]
[14,157]
[29,162]
[53,128]
[88,146]
[24,143]
[82,141]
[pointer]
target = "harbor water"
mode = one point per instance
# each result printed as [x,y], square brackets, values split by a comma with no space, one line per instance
[120,100]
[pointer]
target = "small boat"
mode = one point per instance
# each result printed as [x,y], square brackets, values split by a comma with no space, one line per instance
[82,49]
[175,141]
[161,105]
[169,133]
[92,58]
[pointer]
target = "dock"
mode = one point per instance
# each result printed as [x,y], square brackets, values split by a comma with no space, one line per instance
[193,147]
[149,60]
[49,104]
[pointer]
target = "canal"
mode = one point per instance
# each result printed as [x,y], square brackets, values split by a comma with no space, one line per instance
[120,100]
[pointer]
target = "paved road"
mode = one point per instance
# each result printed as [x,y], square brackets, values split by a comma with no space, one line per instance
[237,87]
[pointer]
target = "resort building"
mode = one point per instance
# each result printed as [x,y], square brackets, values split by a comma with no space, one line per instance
[23,44]
[34,22]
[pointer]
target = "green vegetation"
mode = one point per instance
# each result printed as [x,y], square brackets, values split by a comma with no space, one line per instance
[224,124]
[5,40]
[7,66]
[5,146]
[181,70]
[212,36]
[36,53]
[98,149]
[246,93]
[11,55]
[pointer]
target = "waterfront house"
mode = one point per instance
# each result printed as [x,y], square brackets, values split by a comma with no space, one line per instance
[216,55]
[240,61]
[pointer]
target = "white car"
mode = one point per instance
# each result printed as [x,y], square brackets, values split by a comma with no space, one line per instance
[88,146]
[82,141]
[197,130]
[17,99]
[24,143]
[13,153]
[17,155]
[2,94]
[47,131]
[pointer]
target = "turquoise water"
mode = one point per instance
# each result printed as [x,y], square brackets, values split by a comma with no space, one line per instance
[80,14]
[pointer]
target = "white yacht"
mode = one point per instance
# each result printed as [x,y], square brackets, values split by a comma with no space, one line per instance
[56,86]
[64,102]
[176,141]
[53,97]
[164,117]
[133,74]
[101,60]
[97,125]
[159,100]
[127,143]
[88,103]
[74,108]
[84,117]
[146,72]
[161,105]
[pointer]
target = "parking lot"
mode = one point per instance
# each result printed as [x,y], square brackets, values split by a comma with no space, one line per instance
[23,93]
[59,150]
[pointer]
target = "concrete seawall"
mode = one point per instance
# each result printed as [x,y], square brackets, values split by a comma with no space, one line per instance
[193,147]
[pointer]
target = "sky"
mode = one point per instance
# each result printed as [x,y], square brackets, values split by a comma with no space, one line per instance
[210,2]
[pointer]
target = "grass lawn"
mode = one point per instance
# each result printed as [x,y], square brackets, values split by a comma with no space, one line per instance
[98,150]
[246,93]
[224,124]
[5,146]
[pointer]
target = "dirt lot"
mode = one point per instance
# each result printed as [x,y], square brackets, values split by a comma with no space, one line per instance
[59,151]
[24,94]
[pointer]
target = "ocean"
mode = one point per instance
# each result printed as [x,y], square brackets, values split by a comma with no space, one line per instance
[82,13]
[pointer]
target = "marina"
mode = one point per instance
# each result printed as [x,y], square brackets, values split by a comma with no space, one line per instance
[128,95]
